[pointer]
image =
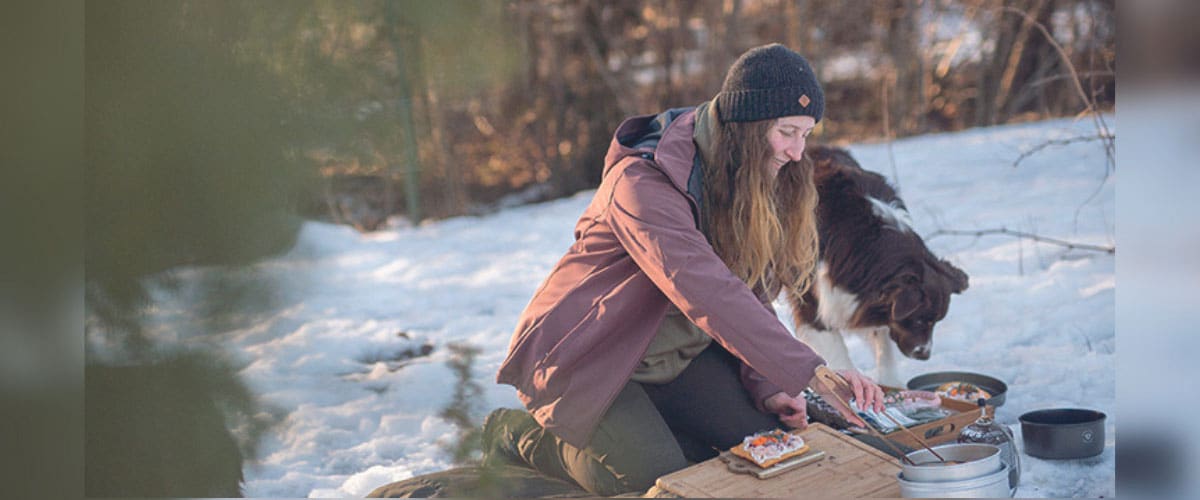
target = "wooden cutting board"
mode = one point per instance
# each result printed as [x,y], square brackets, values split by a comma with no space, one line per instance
[850,470]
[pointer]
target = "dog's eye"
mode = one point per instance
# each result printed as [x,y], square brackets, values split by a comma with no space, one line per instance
[909,279]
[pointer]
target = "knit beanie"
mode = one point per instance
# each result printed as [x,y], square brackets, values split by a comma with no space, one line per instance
[769,82]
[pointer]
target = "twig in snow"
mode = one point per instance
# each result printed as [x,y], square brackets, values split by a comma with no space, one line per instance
[1021,234]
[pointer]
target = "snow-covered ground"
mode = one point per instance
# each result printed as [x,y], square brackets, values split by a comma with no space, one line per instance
[344,308]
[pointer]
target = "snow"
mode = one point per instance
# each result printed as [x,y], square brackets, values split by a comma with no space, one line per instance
[335,342]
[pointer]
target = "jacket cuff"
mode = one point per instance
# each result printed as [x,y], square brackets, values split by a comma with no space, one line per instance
[758,386]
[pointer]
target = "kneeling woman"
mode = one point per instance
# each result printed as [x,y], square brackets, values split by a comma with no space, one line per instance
[653,341]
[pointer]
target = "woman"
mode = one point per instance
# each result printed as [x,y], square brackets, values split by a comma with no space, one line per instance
[653,342]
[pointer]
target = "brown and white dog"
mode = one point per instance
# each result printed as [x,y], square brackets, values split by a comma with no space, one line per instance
[875,276]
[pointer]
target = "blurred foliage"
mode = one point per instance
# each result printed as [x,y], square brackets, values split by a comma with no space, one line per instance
[41,134]
[175,428]
[192,155]
[464,406]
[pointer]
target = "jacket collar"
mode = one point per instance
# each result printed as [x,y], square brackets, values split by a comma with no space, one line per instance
[676,151]
[705,130]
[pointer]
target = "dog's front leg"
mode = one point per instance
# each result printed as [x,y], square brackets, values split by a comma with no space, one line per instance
[886,371]
[829,344]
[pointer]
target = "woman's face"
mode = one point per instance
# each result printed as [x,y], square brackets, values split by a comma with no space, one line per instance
[787,137]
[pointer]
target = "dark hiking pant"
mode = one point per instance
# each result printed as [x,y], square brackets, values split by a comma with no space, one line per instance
[649,430]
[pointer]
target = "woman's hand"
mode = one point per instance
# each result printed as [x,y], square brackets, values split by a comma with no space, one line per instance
[862,389]
[866,393]
[792,411]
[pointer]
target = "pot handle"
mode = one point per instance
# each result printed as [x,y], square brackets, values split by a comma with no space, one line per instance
[1016,456]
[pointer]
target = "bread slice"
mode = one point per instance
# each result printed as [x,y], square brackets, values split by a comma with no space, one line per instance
[768,448]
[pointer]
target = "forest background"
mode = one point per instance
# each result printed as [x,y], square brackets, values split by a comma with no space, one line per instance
[436,109]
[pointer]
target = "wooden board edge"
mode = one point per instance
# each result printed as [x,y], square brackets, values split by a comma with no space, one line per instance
[819,427]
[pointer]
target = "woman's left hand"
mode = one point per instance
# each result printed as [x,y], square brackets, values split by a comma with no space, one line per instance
[792,411]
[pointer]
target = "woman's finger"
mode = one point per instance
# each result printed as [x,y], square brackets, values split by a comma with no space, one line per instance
[857,384]
[868,393]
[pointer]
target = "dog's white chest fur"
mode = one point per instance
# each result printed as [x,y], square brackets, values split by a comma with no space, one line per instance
[835,308]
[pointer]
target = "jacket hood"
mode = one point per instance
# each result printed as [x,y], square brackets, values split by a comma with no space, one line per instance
[665,137]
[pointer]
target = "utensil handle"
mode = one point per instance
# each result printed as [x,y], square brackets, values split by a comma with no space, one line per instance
[828,378]
[914,436]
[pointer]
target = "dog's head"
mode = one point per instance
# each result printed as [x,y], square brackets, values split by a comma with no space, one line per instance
[913,299]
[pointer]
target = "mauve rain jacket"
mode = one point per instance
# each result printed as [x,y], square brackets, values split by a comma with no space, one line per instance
[637,250]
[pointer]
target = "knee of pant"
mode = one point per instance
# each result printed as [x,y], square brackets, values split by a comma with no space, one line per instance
[607,475]
[602,479]
[503,431]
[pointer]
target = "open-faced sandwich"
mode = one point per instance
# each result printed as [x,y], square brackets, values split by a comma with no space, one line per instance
[768,448]
[963,391]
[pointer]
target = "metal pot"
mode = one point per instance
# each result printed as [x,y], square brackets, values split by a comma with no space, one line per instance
[1063,433]
[978,460]
[930,382]
[994,485]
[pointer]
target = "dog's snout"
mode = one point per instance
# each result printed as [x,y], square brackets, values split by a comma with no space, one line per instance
[921,351]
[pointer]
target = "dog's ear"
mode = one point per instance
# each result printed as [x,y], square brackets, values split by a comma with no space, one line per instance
[903,290]
[958,278]
[905,303]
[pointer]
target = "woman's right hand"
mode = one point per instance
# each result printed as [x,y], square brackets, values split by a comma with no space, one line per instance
[792,411]
[861,388]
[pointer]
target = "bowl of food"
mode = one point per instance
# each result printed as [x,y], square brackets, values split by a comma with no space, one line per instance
[963,386]
[1063,433]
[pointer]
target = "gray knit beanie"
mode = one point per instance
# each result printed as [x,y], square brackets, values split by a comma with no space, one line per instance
[769,82]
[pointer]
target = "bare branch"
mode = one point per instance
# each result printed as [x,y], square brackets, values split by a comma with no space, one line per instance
[1021,234]
[1060,142]
[1053,78]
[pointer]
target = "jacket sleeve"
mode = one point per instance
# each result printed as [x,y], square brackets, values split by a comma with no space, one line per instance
[653,221]
[759,387]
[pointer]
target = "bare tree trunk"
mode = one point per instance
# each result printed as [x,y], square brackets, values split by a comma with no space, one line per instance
[908,66]
[1022,60]
[998,72]
[455,192]
[412,177]
[792,24]
[733,24]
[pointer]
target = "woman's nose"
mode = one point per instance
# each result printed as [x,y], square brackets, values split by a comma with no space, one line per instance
[796,151]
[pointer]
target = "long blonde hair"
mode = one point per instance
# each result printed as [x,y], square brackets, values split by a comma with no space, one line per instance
[763,228]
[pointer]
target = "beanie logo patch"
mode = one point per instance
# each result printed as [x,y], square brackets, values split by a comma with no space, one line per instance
[804,100]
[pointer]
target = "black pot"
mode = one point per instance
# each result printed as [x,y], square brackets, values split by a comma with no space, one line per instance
[931,381]
[1063,433]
